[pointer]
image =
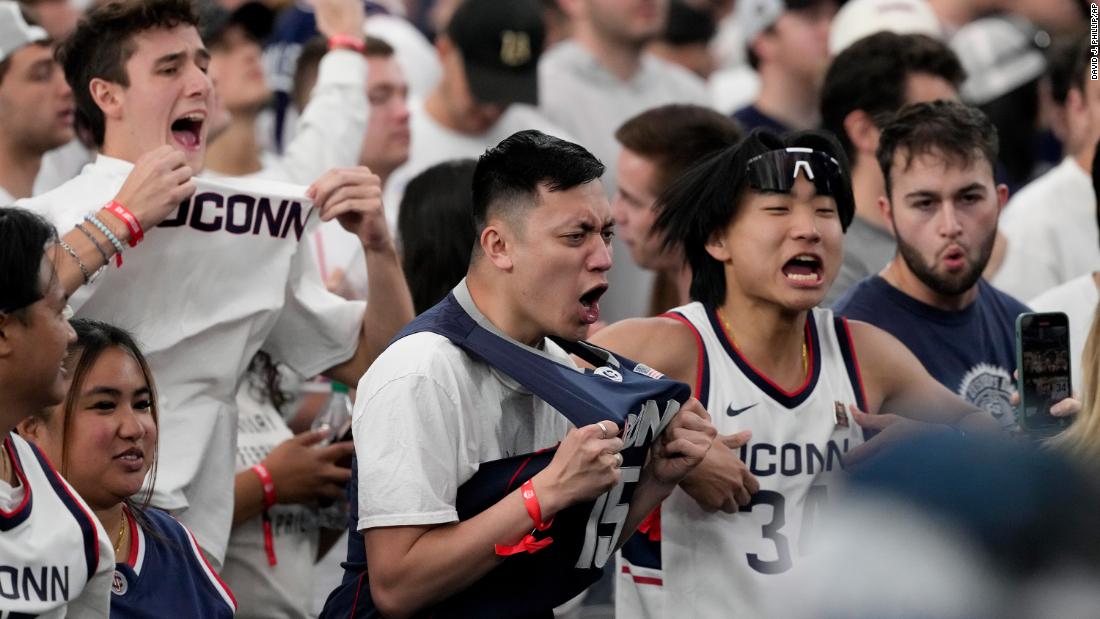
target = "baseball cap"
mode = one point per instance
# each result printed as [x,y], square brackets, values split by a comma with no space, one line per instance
[1000,54]
[15,32]
[756,16]
[256,18]
[862,18]
[500,43]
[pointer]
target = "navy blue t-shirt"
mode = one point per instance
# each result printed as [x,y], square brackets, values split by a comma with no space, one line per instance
[750,117]
[971,352]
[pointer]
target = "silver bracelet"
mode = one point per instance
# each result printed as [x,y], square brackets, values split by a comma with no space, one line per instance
[95,241]
[92,219]
[80,263]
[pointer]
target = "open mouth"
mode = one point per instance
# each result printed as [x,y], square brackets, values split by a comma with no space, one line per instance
[590,304]
[804,269]
[954,257]
[133,457]
[187,130]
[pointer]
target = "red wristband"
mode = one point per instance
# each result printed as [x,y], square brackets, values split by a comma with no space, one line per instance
[268,484]
[529,543]
[531,502]
[346,41]
[136,233]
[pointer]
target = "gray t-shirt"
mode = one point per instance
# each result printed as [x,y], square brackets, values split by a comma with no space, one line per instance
[867,249]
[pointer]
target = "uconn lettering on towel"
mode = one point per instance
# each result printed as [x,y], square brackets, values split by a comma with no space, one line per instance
[241,214]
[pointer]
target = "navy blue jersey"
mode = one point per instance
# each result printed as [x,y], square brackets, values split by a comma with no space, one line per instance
[633,396]
[971,351]
[166,575]
[750,117]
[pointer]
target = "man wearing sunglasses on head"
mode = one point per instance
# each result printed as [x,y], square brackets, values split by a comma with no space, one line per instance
[786,382]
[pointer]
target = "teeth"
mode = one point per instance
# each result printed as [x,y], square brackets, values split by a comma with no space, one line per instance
[805,258]
[802,278]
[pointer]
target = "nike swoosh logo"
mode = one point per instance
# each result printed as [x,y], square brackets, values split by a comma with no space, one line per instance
[733,412]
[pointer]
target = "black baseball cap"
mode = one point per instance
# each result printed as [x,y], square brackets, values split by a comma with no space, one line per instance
[255,18]
[500,42]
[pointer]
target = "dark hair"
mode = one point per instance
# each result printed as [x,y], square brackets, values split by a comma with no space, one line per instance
[508,175]
[703,201]
[436,228]
[309,58]
[871,74]
[676,137]
[1062,63]
[92,339]
[25,238]
[959,133]
[266,383]
[687,25]
[104,41]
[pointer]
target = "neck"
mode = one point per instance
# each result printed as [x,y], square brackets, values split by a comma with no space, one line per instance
[381,170]
[770,338]
[1085,157]
[494,304]
[683,283]
[236,151]
[436,107]
[113,521]
[900,276]
[18,169]
[788,99]
[867,186]
[622,60]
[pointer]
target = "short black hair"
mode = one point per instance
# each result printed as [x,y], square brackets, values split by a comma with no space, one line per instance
[870,75]
[1062,71]
[436,228]
[959,133]
[26,237]
[509,174]
[104,41]
[704,200]
[687,25]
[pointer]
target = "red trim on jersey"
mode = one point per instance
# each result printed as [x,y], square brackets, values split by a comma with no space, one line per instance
[355,602]
[809,360]
[18,468]
[651,526]
[322,266]
[209,570]
[134,538]
[77,502]
[644,580]
[855,361]
[700,360]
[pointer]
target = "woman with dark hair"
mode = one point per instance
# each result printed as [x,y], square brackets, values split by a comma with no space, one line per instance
[103,435]
[57,554]
[436,229]
[786,382]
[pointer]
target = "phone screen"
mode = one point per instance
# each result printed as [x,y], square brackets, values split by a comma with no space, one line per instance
[1044,371]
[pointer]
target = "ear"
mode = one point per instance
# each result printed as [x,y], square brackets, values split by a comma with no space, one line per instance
[1002,197]
[718,249]
[32,429]
[108,96]
[886,208]
[862,132]
[496,244]
[764,46]
[7,331]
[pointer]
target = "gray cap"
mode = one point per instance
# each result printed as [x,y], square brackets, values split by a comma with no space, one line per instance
[15,32]
[1000,54]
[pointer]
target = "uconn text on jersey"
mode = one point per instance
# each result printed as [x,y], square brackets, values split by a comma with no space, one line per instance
[240,214]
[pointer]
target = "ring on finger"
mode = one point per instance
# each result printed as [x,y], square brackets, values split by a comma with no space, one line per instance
[618,459]
[603,428]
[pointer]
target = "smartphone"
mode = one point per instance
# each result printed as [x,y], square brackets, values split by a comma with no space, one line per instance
[1042,368]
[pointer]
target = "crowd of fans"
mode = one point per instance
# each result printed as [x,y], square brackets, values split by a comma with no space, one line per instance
[821,218]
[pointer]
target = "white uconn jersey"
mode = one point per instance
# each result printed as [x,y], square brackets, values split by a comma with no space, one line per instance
[722,565]
[55,559]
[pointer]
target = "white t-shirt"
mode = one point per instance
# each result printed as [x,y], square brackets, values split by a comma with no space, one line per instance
[1051,231]
[209,287]
[264,591]
[1078,298]
[578,93]
[6,198]
[49,542]
[61,164]
[433,143]
[427,415]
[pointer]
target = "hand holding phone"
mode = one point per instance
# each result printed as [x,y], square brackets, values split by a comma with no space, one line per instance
[1043,368]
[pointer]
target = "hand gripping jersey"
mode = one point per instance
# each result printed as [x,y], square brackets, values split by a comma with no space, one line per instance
[54,555]
[637,398]
[721,565]
[166,575]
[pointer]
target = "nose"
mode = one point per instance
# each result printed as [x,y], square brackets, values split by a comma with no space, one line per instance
[401,110]
[949,225]
[131,426]
[199,84]
[62,87]
[619,210]
[600,258]
[804,225]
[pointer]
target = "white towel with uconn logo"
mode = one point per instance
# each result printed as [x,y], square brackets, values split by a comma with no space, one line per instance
[223,276]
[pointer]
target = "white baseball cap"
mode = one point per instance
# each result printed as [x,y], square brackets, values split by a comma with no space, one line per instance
[756,16]
[999,53]
[15,32]
[862,18]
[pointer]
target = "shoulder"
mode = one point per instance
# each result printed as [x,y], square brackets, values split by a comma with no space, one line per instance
[422,358]
[183,544]
[992,295]
[665,343]
[858,299]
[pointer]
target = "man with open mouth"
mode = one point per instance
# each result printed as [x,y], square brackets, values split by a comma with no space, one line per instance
[787,382]
[943,204]
[223,277]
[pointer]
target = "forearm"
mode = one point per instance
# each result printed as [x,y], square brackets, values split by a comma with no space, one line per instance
[248,497]
[68,268]
[449,558]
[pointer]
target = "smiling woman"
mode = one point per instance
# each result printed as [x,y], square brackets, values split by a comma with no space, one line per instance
[103,435]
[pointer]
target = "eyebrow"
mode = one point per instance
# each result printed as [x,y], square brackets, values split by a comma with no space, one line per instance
[972,187]
[170,58]
[922,193]
[111,391]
